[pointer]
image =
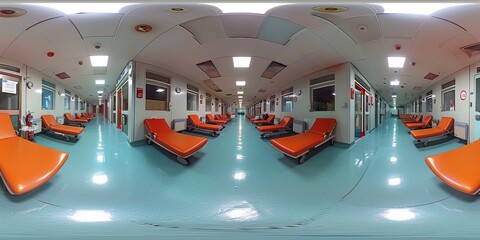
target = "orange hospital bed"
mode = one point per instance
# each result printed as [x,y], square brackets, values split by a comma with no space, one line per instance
[77,116]
[74,121]
[211,119]
[284,125]
[25,165]
[425,135]
[182,145]
[50,124]
[194,123]
[268,121]
[458,168]
[427,122]
[298,146]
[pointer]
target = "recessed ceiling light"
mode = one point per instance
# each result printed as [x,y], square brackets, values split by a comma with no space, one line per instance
[99,82]
[251,7]
[92,7]
[240,83]
[160,90]
[239,92]
[241,62]
[394,96]
[396,62]
[99,61]
[240,96]
[394,83]
[416,8]
[100,91]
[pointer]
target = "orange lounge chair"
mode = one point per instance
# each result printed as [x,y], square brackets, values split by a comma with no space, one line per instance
[284,125]
[210,119]
[182,145]
[458,168]
[425,135]
[25,165]
[427,122]
[77,116]
[298,146]
[69,120]
[50,124]
[194,123]
[268,121]
[416,119]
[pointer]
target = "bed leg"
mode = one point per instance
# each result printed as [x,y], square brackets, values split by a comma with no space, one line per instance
[302,159]
[183,161]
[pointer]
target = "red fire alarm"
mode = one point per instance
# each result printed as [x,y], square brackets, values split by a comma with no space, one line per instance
[139,92]
[50,54]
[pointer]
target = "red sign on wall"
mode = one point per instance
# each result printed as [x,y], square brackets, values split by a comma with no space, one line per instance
[139,92]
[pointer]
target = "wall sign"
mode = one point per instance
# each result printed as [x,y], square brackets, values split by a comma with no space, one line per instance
[463,95]
[9,86]
[139,92]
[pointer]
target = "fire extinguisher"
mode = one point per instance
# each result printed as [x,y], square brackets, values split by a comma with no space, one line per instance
[352,93]
[29,121]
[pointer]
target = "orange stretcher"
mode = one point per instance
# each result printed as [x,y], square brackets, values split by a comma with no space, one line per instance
[211,119]
[298,146]
[268,121]
[416,119]
[25,165]
[77,116]
[74,121]
[194,123]
[50,124]
[182,145]
[285,125]
[444,127]
[427,122]
[458,168]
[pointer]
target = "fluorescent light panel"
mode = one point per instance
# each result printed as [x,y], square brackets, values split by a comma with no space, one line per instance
[240,92]
[240,97]
[72,8]
[99,91]
[394,83]
[415,8]
[394,96]
[396,62]
[160,90]
[251,7]
[240,83]
[241,62]
[99,61]
[99,82]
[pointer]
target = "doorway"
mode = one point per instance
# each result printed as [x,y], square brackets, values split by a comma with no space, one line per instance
[476,109]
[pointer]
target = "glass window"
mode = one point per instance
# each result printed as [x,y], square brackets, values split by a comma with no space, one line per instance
[125,97]
[9,101]
[448,96]
[322,97]
[216,104]
[76,102]
[192,98]
[48,95]
[208,102]
[114,103]
[264,105]
[157,96]
[272,104]
[420,103]
[82,105]
[287,100]
[429,104]
[66,100]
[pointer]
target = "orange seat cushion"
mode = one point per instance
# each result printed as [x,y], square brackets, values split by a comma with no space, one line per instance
[195,120]
[70,130]
[180,144]
[69,118]
[458,168]
[415,125]
[270,128]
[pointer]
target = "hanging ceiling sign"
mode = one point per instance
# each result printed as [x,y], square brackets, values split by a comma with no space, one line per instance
[9,86]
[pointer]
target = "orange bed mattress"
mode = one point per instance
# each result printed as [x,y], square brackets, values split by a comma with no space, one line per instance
[25,165]
[195,120]
[51,124]
[285,123]
[443,127]
[182,145]
[458,168]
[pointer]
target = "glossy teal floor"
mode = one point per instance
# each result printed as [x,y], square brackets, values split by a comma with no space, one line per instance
[239,187]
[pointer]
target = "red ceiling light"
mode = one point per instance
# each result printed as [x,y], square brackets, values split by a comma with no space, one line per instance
[50,54]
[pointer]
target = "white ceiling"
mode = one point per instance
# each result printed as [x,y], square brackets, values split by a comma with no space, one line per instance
[288,34]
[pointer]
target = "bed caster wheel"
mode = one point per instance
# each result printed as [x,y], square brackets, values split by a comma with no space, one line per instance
[149,142]
[183,161]
[262,135]
[302,159]
[425,144]
[214,134]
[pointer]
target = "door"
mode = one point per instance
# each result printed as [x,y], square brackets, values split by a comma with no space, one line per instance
[476,109]
[119,109]
[358,114]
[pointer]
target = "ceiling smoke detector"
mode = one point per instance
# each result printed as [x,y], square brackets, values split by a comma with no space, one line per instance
[11,12]
[143,28]
[330,9]
[176,9]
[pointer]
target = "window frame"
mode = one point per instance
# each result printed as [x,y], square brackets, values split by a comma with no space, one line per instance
[327,84]
[51,87]
[287,93]
[193,91]
[429,102]
[160,84]
[272,104]
[208,102]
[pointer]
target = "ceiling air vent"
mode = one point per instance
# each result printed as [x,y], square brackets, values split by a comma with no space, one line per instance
[273,69]
[209,68]
[431,76]
[62,75]
[262,90]
[472,50]
[228,94]
[212,85]
[10,68]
